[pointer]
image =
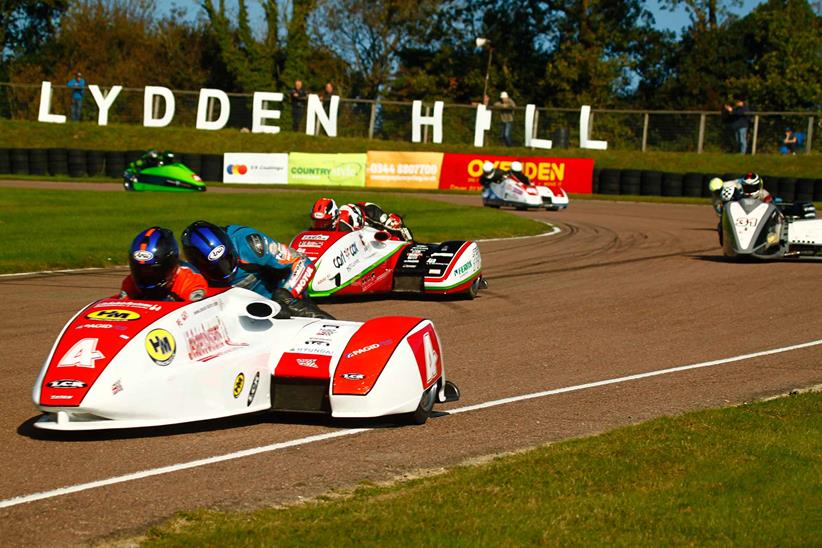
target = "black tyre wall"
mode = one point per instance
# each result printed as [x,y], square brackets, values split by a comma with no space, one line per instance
[630,182]
[38,161]
[609,181]
[787,189]
[817,191]
[133,156]
[95,162]
[212,168]
[19,161]
[692,185]
[671,184]
[58,161]
[115,163]
[194,162]
[595,181]
[77,162]
[651,183]
[804,190]
[5,162]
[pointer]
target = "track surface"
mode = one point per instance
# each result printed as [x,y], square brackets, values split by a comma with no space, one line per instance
[625,288]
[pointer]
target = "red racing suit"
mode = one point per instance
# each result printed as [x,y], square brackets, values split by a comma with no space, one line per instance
[188,285]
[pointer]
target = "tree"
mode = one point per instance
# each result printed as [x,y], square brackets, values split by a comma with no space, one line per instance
[706,15]
[25,25]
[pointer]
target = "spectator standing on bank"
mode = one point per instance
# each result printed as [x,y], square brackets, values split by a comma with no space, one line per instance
[297,105]
[77,85]
[739,120]
[789,142]
[506,107]
[328,91]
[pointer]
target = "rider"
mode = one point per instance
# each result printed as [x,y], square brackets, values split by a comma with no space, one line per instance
[156,271]
[241,256]
[324,214]
[327,216]
[748,186]
[490,174]
[518,174]
[153,158]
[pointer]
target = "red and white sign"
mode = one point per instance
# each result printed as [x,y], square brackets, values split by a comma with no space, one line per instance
[574,175]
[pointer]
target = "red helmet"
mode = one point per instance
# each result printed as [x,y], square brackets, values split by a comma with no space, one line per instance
[324,214]
[393,222]
[350,218]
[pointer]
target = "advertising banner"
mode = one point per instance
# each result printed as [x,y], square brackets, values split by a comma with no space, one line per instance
[246,167]
[574,175]
[326,169]
[403,169]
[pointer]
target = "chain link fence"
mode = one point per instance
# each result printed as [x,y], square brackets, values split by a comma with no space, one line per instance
[644,130]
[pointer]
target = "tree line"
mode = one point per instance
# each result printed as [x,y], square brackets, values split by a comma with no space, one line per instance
[553,53]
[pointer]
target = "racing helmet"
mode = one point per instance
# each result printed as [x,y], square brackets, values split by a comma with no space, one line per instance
[516,166]
[324,214]
[153,259]
[488,167]
[350,217]
[393,221]
[208,247]
[751,183]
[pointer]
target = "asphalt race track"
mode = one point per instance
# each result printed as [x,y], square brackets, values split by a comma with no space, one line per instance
[623,289]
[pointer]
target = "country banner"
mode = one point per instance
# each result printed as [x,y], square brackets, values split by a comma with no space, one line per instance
[574,175]
[403,169]
[326,169]
[255,168]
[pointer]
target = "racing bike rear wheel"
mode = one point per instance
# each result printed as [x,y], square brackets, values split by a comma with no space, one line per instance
[425,406]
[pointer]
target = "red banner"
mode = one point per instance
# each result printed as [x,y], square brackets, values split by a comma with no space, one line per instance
[574,175]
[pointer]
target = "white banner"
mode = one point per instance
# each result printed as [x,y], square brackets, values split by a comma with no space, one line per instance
[259,168]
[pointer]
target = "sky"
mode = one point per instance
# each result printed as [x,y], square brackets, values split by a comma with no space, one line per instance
[665,19]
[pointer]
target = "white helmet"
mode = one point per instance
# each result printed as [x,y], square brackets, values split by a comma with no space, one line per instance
[516,165]
[351,216]
[488,167]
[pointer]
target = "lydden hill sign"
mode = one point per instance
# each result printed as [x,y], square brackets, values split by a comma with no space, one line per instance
[265,109]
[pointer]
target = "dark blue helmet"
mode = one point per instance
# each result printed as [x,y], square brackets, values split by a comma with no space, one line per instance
[153,258]
[208,247]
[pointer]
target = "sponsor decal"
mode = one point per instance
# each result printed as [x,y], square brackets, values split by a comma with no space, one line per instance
[96,326]
[304,279]
[310,350]
[66,383]
[236,169]
[345,255]
[60,397]
[327,330]
[746,221]
[369,348]
[84,353]
[464,268]
[129,304]
[113,315]
[239,382]
[206,339]
[209,306]
[252,391]
[142,255]
[320,237]
[307,362]
[183,317]
[161,346]
[116,387]
[216,253]
[309,244]
[353,376]
[255,242]
[317,342]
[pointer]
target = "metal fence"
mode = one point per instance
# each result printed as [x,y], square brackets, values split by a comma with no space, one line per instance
[637,130]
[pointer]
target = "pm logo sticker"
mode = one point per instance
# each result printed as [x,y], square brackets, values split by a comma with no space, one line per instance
[161,346]
[113,315]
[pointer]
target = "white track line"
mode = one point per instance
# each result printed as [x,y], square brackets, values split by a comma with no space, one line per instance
[554,230]
[23,499]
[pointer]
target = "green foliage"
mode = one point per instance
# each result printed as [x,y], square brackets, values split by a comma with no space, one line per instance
[747,475]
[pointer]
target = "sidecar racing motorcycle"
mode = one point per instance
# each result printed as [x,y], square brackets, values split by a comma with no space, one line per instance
[372,261]
[510,192]
[127,364]
[161,172]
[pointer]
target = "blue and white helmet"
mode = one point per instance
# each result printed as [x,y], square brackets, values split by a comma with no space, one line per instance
[208,247]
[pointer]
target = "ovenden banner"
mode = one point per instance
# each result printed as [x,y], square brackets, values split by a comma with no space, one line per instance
[259,168]
[326,169]
[403,169]
[574,175]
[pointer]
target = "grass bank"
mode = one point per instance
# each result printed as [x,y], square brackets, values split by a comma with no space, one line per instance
[88,135]
[748,475]
[53,229]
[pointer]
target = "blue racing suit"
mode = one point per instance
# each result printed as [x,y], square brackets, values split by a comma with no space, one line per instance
[266,265]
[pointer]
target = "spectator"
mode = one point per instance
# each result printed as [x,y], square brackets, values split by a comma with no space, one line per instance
[739,121]
[297,104]
[789,142]
[328,91]
[77,86]
[506,107]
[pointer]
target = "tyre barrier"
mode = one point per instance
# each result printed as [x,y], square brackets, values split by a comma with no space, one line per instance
[95,162]
[19,161]
[672,184]
[787,189]
[193,161]
[651,183]
[5,164]
[817,191]
[595,180]
[58,161]
[77,162]
[609,180]
[804,190]
[115,163]
[38,161]
[630,182]
[692,185]
[212,169]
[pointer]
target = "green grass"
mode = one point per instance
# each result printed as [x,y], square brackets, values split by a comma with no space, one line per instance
[88,135]
[53,229]
[748,475]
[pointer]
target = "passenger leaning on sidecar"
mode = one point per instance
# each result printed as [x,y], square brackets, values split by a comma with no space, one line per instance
[156,271]
[326,215]
[748,186]
[241,256]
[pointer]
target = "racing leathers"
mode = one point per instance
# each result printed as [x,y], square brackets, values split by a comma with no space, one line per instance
[727,191]
[273,270]
[376,217]
[187,285]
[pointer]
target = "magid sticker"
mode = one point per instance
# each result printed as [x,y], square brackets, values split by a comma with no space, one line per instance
[161,346]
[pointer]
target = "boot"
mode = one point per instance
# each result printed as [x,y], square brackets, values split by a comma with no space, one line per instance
[300,307]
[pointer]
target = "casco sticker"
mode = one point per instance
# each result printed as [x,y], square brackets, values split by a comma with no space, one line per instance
[113,315]
[252,391]
[161,346]
[142,255]
[239,382]
[216,253]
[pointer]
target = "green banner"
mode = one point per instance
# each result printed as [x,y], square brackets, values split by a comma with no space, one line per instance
[326,169]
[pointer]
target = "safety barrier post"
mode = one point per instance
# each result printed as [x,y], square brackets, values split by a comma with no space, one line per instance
[755,134]
[373,120]
[809,136]
[645,132]
[701,133]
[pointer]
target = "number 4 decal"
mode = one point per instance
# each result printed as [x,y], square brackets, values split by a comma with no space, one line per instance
[84,353]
